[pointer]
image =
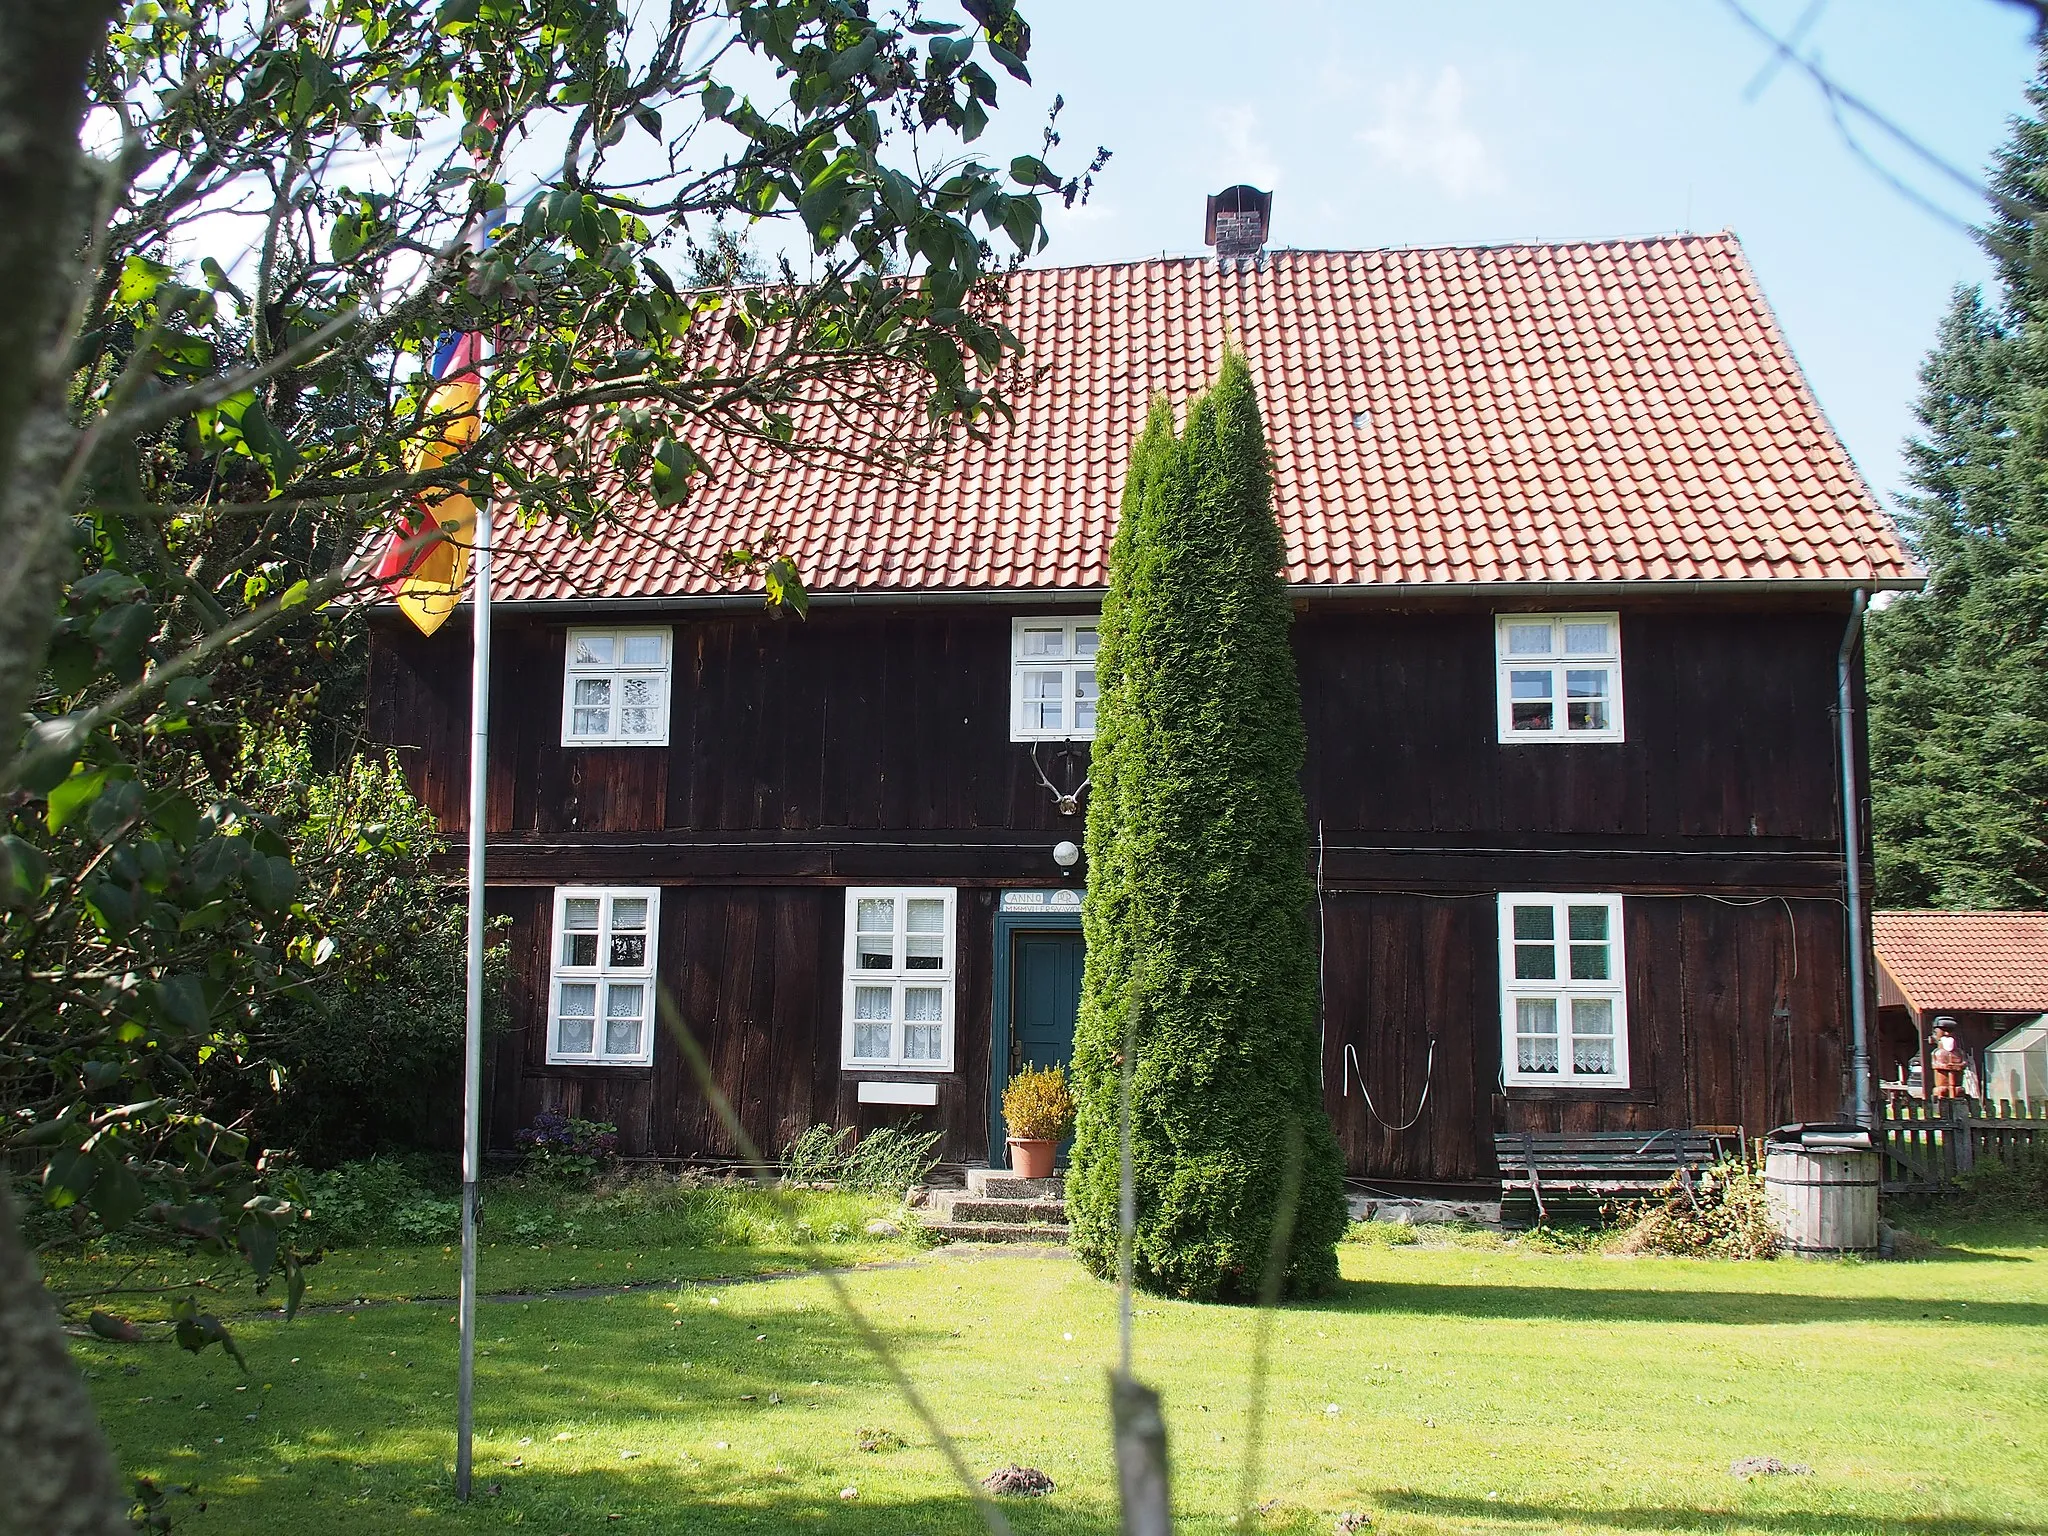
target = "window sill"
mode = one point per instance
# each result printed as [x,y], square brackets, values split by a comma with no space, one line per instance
[881,1071]
[586,744]
[1611,1092]
[592,1071]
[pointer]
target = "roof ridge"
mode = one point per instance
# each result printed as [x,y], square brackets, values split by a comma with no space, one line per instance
[1723,237]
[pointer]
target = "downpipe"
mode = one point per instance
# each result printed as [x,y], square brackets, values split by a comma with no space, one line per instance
[1852,862]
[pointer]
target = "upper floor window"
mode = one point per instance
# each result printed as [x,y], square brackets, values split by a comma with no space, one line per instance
[1559,676]
[899,978]
[615,688]
[601,997]
[1563,1011]
[1052,679]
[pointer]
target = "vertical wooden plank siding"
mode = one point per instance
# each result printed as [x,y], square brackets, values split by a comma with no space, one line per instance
[871,745]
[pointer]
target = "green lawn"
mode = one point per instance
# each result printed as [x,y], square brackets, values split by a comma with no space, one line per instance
[645,1233]
[1447,1388]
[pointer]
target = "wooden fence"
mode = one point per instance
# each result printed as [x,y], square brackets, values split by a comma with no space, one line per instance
[1927,1145]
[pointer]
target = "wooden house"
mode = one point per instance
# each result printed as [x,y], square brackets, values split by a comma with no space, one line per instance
[1575,558]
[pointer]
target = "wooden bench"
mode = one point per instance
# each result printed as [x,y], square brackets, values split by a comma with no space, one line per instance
[1553,1173]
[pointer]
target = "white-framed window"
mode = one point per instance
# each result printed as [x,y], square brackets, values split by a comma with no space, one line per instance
[899,978]
[1559,676]
[615,688]
[1052,679]
[601,977]
[1563,1008]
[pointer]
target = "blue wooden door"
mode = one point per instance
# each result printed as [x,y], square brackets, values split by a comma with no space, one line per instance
[1046,977]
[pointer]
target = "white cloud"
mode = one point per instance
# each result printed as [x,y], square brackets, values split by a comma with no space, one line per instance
[1245,157]
[1423,132]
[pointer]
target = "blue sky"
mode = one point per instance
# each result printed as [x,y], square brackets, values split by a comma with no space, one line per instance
[1478,121]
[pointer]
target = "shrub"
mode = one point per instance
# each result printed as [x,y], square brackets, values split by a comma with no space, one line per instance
[381,1199]
[886,1161]
[1199,909]
[367,1052]
[558,1146]
[816,1156]
[1724,1214]
[2018,1188]
[1037,1105]
[889,1160]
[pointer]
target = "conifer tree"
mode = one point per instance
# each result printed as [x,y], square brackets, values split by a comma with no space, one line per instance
[1959,674]
[1201,950]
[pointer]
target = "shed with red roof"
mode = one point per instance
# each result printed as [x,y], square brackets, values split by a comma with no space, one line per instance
[1983,974]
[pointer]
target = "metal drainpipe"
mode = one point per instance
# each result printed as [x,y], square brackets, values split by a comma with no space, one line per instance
[1852,848]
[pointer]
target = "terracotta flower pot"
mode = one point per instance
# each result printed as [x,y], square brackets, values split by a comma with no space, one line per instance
[1031,1159]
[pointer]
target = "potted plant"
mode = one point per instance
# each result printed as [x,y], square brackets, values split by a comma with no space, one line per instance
[1039,1111]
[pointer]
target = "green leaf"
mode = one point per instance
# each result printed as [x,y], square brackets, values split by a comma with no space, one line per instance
[116,1194]
[1030,171]
[182,1000]
[785,587]
[1009,61]
[195,1330]
[48,1132]
[673,464]
[268,446]
[140,279]
[24,873]
[68,1177]
[650,120]
[271,883]
[1021,223]
[176,815]
[716,99]
[258,1241]
[74,795]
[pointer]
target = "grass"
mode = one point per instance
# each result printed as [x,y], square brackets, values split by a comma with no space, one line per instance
[638,1231]
[1453,1385]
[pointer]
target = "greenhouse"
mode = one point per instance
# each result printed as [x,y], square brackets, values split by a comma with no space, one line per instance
[2016,1064]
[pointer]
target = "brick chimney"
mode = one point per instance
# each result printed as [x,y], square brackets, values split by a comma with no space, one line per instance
[1237,222]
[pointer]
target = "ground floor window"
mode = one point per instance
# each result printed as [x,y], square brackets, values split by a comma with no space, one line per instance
[899,978]
[601,981]
[1564,1015]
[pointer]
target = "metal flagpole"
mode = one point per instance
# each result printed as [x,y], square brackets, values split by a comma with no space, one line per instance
[473,1041]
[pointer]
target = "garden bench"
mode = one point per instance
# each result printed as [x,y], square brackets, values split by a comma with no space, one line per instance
[1548,1171]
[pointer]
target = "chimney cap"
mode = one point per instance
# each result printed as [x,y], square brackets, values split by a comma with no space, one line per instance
[1238,220]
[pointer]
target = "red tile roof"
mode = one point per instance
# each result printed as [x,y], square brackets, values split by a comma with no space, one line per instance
[1992,962]
[1625,411]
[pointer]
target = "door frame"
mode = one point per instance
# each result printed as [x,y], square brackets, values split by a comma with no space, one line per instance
[1008,926]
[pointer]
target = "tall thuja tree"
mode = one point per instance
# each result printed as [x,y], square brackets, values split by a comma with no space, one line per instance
[1201,952]
[1959,673]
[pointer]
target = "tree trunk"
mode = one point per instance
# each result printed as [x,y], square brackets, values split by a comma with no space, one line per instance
[60,1479]
[44,48]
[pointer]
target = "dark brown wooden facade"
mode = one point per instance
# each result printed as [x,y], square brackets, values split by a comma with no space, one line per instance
[870,745]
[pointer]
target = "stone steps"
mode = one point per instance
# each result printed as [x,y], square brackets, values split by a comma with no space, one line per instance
[996,1232]
[997,1207]
[1005,1212]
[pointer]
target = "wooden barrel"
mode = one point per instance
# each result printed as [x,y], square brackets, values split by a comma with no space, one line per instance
[1825,1199]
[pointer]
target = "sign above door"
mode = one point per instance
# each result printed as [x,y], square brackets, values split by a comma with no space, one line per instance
[1041,901]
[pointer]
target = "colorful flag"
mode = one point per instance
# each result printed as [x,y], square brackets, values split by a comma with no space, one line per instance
[427,581]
